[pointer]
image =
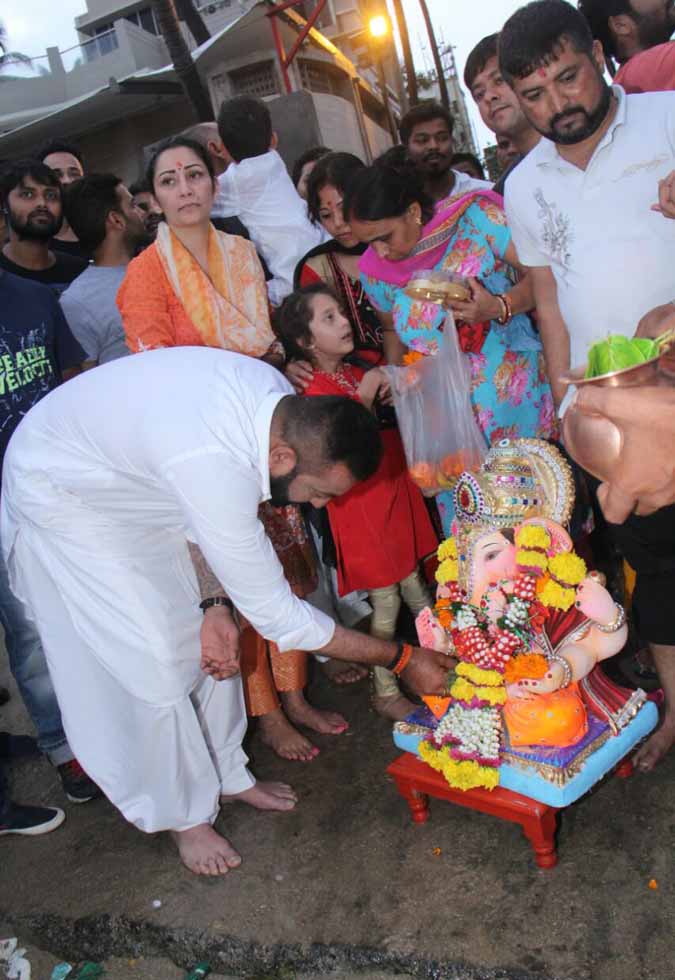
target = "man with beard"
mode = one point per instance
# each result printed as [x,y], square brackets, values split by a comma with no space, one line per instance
[132,538]
[102,213]
[146,202]
[426,133]
[30,193]
[498,106]
[636,34]
[67,163]
[601,258]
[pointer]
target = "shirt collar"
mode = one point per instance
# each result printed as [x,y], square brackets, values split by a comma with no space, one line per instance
[546,151]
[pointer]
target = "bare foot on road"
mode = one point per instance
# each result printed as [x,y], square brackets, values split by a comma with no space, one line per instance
[656,747]
[204,852]
[341,672]
[266,796]
[301,712]
[394,707]
[277,732]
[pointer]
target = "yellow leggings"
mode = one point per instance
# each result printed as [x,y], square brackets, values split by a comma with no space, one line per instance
[386,603]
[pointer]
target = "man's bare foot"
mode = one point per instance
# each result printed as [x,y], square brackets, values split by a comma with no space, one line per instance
[301,712]
[656,747]
[266,796]
[204,852]
[394,707]
[341,672]
[277,732]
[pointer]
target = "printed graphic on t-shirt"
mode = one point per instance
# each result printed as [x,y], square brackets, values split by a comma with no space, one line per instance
[26,373]
[556,233]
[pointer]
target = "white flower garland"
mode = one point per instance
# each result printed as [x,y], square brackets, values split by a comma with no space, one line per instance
[478,731]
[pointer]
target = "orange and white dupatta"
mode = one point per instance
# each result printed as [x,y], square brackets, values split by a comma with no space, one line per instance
[228,306]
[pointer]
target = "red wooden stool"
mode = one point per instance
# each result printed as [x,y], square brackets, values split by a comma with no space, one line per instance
[416,782]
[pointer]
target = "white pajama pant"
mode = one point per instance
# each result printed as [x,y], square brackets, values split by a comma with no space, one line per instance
[162,765]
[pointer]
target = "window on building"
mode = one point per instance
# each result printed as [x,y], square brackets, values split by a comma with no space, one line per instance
[325,19]
[103,42]
[260,80]
[220,89]
[144,18]
[213,7]
[148,20]
[315,78]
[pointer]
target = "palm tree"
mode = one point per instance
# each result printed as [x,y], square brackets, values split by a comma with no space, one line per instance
[181,58]
[187,11]
[8,58]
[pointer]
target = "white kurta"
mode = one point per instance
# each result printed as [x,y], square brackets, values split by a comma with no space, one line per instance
[260,192]
[103,483]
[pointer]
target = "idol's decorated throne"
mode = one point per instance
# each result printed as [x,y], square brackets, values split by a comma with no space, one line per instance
[530,722]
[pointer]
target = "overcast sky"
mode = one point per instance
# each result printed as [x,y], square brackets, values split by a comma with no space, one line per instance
[33,25]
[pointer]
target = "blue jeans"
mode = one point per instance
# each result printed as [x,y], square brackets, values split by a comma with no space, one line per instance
[31,673]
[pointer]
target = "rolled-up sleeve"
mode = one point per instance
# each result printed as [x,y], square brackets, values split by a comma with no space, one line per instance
[219,500]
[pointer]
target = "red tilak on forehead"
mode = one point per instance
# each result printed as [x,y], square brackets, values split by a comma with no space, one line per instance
[542,72]
[179,164]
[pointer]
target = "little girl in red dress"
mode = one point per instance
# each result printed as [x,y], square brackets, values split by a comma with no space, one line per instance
[381,527]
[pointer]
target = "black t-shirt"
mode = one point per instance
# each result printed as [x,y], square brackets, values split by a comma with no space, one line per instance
[500,186]
[70,248]
[57,277]
[36,347]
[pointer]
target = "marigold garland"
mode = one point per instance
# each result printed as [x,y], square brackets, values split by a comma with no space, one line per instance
[464,690]
[535,560]
[526,665]
[533,536]
[465,746]
[447,549]
[464,774]
[554,595]
[447,571]
[445,618]
[567,568]
[480,676]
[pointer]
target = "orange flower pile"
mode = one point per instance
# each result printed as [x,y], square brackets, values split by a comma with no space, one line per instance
[429,476]
[444,613]
[412,357]
[532,666]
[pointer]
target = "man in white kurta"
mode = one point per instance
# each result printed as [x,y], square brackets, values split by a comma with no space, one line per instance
[104,482]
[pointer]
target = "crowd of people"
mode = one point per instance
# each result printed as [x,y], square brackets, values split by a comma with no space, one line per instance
[257,506]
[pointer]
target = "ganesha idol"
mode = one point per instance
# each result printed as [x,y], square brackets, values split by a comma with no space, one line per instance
[528,706]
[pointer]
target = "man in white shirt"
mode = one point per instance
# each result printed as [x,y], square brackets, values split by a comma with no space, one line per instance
[257,188]
[102,213]
[426,133]
[129,495]
[580,207]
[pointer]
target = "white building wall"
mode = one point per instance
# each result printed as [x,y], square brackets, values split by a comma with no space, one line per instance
[338,124]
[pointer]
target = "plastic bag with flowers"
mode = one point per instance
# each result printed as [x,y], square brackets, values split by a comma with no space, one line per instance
[432,398]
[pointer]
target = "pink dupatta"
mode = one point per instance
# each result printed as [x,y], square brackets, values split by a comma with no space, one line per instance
[432,244]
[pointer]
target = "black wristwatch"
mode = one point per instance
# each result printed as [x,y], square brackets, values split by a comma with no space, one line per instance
[216,600]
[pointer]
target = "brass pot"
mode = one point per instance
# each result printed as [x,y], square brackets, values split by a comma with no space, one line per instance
[594,441]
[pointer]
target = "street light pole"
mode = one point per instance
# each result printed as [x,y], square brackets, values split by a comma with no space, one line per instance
[411,77]
[379,28]
[445,98]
